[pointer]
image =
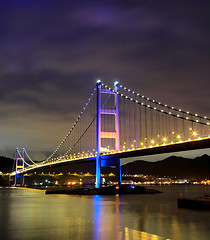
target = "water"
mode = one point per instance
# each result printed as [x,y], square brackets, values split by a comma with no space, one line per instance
[30,214]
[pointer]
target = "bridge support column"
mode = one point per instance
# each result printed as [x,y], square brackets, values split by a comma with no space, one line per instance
[117,126]
[101,134]
[98,136]
[118,166]
[98,172]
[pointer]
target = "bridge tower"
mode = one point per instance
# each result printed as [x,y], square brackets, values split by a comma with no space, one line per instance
[19,166]
[100,134]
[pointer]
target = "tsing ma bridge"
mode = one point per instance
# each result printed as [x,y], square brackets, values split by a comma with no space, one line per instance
[117,123]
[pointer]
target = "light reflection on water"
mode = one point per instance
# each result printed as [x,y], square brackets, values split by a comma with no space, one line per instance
[131,234]
[30,214]
[107,227]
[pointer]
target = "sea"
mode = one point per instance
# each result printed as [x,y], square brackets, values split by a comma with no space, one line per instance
[31,214]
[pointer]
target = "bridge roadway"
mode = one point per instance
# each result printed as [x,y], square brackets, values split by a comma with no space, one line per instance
[170,148]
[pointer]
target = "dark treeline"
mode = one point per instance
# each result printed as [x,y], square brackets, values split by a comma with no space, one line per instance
[6,164]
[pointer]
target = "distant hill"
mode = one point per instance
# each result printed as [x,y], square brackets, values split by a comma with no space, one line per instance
[198,167]
[6,164]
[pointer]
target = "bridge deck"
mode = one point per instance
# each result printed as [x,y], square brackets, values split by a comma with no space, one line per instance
[177,147]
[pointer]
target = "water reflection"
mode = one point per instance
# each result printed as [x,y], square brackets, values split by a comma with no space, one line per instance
[131,234]
[30,214]
[107,220]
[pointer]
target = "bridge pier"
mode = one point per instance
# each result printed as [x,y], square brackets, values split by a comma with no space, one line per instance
[114,162]
[108,163]
[98,172]
[119,173]
[19,176]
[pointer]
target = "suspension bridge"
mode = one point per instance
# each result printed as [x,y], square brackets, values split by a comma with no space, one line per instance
[118,123]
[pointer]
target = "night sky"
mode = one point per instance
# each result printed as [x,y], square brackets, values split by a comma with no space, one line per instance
[52,53]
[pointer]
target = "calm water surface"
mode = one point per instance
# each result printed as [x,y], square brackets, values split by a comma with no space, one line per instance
[30,214]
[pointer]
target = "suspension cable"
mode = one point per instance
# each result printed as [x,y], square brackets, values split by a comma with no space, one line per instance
[80,136]
[67,135]
[164,112]
[30,158]
[163,105]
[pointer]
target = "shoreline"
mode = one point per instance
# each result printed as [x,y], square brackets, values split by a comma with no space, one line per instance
[103,191]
